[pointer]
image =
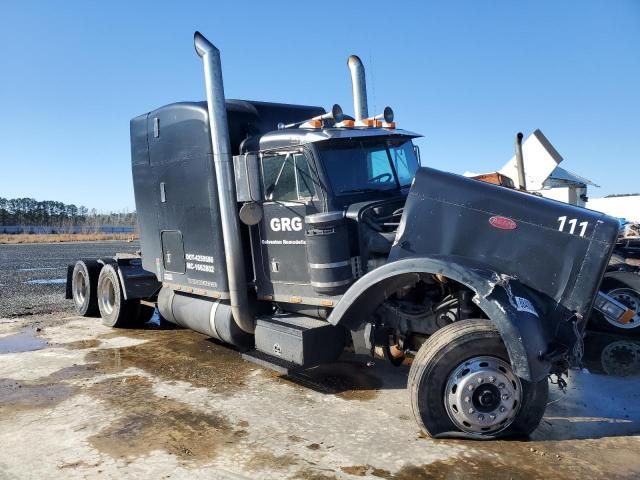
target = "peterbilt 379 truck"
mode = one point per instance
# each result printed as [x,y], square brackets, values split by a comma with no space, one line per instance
[296,234]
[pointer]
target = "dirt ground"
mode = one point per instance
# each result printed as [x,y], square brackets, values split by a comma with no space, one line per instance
[80,400]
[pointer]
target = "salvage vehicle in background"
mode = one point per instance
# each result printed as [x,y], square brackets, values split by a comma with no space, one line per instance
[622,283]
[295,234]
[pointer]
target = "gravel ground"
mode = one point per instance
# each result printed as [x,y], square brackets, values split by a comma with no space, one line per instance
[32,277]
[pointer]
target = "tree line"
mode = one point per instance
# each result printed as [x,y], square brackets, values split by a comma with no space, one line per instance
[49,213]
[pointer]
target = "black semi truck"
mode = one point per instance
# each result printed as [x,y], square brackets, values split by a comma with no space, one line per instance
[295,234]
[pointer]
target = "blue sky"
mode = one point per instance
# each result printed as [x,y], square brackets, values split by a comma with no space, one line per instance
[467,75]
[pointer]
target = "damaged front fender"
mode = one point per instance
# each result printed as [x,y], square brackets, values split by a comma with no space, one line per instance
[509,304]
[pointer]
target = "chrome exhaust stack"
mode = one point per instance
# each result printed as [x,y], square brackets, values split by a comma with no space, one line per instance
[359,88]
[522,181]
[225,180]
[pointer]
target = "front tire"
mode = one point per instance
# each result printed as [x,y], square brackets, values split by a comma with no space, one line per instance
[461,384]
[115,311]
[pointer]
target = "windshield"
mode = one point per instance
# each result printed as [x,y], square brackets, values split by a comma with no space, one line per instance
[369,166]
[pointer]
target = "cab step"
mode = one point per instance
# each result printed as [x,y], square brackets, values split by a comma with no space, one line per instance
[297,340]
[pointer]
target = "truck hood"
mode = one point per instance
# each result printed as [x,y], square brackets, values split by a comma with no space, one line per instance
[557,250]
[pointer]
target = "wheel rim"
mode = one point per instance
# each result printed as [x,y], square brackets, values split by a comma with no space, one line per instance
[483,395]
[621,358]
[630,299]
[80,288]
[107,297]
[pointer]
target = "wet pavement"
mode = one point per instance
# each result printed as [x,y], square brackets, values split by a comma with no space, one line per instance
[154,402]
[80,400]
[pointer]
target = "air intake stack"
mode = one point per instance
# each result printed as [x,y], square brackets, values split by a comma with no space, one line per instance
[225,179]
[359,88]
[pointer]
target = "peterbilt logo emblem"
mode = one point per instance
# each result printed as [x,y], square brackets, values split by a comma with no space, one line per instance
[286,224]
[503,223]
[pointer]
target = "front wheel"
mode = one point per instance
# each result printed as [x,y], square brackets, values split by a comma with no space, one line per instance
[462,384]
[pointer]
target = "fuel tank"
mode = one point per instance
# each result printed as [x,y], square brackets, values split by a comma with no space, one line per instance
[558,250]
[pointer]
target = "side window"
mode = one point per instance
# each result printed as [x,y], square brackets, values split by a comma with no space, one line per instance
[304,180]
[379,167]
[287,177]
[405,162]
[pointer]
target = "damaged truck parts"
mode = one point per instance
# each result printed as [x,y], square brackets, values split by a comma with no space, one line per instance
[295,234]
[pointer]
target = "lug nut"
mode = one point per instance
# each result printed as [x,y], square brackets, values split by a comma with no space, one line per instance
[471,410]
[505,396]
[481,417]
[501,385]
[470,387]
[480,379]
[492,416]
[502,409]
[492,379]
[467,399]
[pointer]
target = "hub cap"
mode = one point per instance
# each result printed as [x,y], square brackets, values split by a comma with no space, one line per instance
[631,299]
[621,358]
[79,288]
[107,297]
[482,395]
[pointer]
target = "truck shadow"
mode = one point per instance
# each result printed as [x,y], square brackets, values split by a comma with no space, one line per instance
[351,378]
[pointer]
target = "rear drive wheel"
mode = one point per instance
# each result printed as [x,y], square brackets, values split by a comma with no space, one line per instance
[625,288]
[462,384]
[84,282]
[114,309]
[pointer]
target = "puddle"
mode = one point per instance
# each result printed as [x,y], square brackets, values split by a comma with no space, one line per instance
[17,395]
[150,422]
[81,344]
[46,281]
[456,469]
[176,355]
[21,342]
[523,460]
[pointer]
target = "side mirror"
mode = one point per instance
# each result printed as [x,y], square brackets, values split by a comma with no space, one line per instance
[248,187]
[247,172]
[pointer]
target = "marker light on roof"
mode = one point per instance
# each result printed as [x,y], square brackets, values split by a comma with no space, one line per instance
[346,124]
[382,120]
[335,115]
[312,124]
[369,122]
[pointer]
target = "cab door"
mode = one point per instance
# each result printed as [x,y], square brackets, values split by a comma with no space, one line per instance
[289,196]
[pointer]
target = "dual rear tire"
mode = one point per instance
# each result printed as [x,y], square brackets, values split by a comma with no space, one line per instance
[96,290]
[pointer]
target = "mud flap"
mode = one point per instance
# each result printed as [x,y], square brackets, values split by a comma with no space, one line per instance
[68,293]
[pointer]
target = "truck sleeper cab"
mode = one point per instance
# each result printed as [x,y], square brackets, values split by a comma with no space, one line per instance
[295,234]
